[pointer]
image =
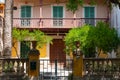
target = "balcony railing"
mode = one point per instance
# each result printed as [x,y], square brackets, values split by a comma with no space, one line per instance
[54,22]
[98,68]
[94,68]
[11,69]
[15,65]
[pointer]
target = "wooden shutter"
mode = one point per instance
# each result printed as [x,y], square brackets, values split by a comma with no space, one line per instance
[24,49]
[57,11]
[89,13]
[28,11]
[25,11]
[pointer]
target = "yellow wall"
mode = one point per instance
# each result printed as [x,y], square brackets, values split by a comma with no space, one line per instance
[14,54]
[43,51]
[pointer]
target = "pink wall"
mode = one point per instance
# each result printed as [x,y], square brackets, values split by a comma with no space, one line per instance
[46,12]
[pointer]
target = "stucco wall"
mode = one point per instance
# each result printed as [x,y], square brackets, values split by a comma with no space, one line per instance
[101,8]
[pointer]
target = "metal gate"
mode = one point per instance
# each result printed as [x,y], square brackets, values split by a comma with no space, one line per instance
[57,70]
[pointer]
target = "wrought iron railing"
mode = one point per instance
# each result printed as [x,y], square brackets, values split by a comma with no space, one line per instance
[55,22]
[57,70]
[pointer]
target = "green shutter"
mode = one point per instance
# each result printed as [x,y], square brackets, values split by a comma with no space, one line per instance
[25,11]
[92,12]
[28,11]
[86,12]
[89,12]
[24,49]
[60,15]
[57,12]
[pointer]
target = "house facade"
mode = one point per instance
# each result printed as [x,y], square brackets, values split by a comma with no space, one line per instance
[53,18]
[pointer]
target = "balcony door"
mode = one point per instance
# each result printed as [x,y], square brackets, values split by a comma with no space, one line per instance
[57,15]
[25,15]
[89,14]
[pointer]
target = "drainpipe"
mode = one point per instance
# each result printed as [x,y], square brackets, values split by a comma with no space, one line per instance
[40,22]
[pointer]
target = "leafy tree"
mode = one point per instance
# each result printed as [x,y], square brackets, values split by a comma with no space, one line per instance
[84,35]
[102,37]
[73,5]
[18,35]
[106,38]
[35,35]
[40,37]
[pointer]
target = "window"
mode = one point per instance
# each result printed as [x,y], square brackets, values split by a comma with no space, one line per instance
[26,15]
[57,15]
[89,14]
[24,49]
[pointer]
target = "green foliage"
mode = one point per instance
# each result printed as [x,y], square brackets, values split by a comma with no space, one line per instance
[84,35]
[90,37]
[40,37]
[73,5]
[106,38]
[92,2]
[20,35]
[35,35]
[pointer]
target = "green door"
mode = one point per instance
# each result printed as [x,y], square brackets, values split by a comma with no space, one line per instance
[57,15]
[24,49]
[89,14]
[26,15]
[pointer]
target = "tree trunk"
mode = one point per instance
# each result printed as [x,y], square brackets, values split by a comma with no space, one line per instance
[1,36]
[7,39]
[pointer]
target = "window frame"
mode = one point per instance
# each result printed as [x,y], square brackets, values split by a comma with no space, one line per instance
[95,12]
[57,21]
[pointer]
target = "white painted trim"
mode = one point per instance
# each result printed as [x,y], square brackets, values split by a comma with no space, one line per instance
[95,7]
[29,4]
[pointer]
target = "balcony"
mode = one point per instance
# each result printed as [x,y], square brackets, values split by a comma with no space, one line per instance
[54,22]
